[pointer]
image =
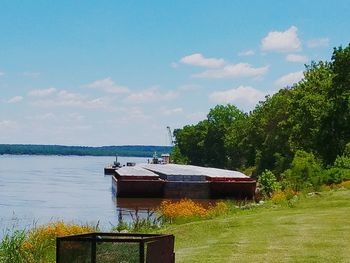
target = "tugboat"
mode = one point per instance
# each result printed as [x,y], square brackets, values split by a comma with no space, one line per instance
[110,169]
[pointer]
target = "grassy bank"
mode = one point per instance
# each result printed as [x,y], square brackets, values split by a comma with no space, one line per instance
[310,228]
[316,229]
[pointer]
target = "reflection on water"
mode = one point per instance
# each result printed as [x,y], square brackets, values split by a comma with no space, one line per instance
[130,208]
[39,189]
[45,188]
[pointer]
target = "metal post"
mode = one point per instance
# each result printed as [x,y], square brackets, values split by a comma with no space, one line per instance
[58,250]
[93,249]
[142,251]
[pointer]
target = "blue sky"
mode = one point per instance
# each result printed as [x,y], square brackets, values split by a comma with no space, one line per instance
[119,72]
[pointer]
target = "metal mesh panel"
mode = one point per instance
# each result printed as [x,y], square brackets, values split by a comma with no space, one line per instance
[160,251]
[75,252]
[110,252]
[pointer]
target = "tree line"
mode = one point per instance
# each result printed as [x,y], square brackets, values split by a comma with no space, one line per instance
[126,150]
[305,126]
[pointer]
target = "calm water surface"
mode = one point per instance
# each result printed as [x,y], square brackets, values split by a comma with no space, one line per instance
[45,188]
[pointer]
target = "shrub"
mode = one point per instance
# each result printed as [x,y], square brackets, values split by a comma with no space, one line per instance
[220,208]
[347,150]
[305,172]
[342,162]
[186,208]
[268,183]
[182,208]
[345,184]
[40,243]
[336,175]
[279,196]
[12,248]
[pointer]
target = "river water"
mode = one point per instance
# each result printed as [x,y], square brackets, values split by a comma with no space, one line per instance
[39,189]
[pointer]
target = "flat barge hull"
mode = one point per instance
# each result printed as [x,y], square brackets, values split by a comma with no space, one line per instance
[157,182]
[138,188]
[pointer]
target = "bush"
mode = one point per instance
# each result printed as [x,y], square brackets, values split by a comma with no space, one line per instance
[41,240]
[342,162]
[336,175]
[305,172]
[186,208]
[12,248]
[341,168]
[268,183]
[345,184]
[182,208]
[287,196]
[220,208]
[37,245]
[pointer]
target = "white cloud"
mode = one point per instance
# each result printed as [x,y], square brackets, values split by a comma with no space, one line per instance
[59,118]
[30,74]
[75,116]
[199,60]
[7,124]
[153,94]
[107,85]
[42,92]
[296,58]
[246,53]
[243,96]
[42,117]
[2,73]
[189,87]
[15,99]
[65,98]
[169,112]
[134,113]
[289,79]
[281,41]
[234,71]
[318,42]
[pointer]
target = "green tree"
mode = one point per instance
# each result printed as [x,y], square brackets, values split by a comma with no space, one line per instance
[336,125]
[223,121]
[268,132]
[190,143]
[309,106]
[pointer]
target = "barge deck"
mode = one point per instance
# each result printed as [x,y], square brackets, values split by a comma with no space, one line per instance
[181,181]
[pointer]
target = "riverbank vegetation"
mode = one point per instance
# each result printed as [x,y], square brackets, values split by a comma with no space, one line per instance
[127,150]
[301,134]
[288,226]
[37,245]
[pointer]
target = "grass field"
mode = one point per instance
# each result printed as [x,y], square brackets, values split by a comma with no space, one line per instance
[317,229]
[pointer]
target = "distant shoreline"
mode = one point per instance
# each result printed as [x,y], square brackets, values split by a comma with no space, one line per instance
[61,150]
[72,155]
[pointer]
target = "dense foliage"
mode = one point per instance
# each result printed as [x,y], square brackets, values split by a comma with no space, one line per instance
[300,133]
[128,150]
[37,245]
[268,183]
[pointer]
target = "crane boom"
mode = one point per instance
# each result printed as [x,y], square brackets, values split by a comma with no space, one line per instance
[170,136]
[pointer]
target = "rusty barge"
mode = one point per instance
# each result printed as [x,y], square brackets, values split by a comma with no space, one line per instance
[181,181]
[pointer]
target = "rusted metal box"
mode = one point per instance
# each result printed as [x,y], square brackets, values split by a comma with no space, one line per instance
[115,247]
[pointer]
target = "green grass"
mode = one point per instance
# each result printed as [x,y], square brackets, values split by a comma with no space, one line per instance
[317,229]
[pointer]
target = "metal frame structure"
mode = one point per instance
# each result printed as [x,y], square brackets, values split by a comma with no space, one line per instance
[100,237]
